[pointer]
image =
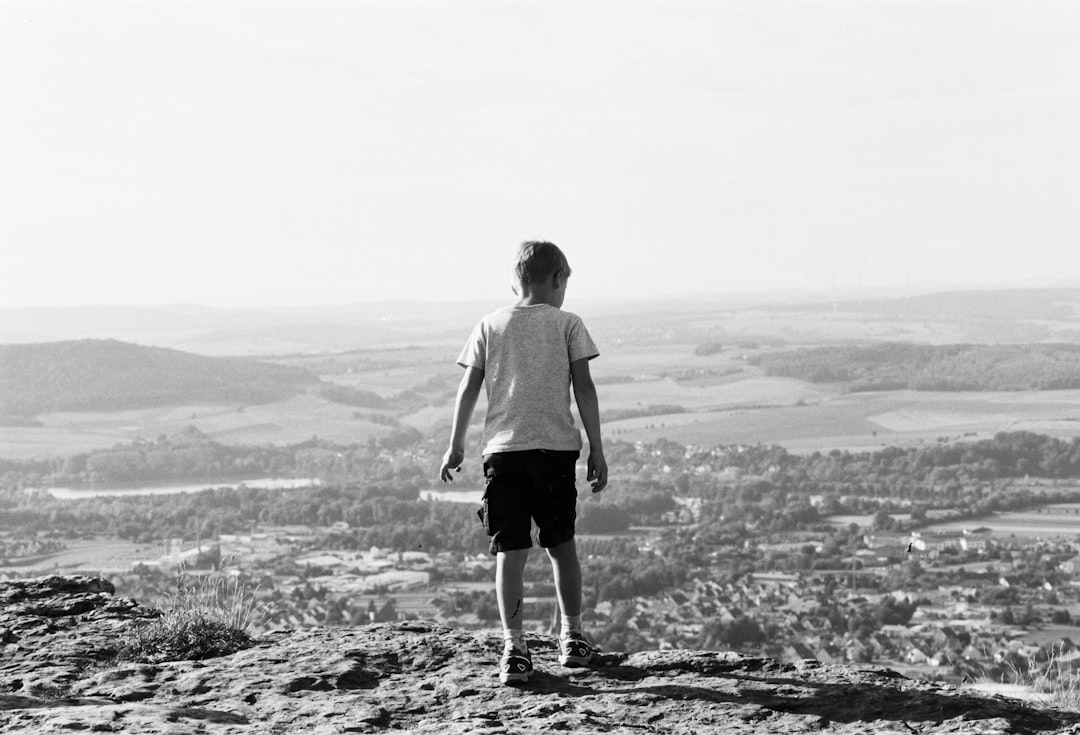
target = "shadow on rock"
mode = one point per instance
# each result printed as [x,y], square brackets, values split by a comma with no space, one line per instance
[899,699]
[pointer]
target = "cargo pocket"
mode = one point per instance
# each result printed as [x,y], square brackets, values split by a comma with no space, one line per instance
[484,511]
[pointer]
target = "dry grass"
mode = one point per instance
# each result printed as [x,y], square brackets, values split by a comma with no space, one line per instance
[1048,679]
[209,615]
[1054,682]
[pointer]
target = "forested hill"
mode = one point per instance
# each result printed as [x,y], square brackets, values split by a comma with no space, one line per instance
[95,375]
[899,365]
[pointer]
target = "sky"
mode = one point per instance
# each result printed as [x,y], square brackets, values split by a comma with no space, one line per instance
[301,152]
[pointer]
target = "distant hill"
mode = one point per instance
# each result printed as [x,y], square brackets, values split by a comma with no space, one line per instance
[246,331]
[898,365]
[107,375]
[1059,304]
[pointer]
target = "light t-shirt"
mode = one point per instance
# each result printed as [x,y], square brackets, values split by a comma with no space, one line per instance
[525,353]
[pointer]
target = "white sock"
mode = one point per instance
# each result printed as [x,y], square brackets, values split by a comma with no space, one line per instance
[571,624]
[515,637]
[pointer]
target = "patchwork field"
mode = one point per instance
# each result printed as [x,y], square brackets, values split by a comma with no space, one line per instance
[799,416]
[405,354]
[862,421]
[385,372]
[1054,521]
[283,422]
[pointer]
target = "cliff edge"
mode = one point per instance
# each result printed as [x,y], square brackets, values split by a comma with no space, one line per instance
[59,634]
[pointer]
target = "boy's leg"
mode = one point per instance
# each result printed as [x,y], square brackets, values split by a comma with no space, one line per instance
[566,569]
[554,508]
[506,519]
[515,667]
[574,648]
[510,588]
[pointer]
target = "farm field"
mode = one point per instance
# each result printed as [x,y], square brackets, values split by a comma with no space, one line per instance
[800,416]
[391,382]
[1022,524]
[694,396]
[651,360]
[385,372]
[284,422]
[864,421]
[98,556]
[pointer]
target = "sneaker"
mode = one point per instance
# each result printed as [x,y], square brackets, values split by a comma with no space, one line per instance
[516,666]
[574,650]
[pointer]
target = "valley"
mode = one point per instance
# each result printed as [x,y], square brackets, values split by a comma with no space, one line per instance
[802,514]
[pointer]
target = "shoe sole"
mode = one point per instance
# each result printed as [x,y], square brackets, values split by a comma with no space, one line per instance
[574,662]
[512,679]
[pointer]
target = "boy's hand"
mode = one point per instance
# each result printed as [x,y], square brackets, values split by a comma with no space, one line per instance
[451,461]
[597,471]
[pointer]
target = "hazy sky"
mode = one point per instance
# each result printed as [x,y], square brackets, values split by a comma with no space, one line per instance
[297,151]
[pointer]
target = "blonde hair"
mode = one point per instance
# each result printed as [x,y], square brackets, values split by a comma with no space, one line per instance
[539,260]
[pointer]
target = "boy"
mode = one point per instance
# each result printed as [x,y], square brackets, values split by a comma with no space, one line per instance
[527,356]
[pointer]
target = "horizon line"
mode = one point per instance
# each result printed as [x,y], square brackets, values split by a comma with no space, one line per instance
[786,293]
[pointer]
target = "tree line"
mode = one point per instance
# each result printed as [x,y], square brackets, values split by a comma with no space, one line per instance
[903,365]
[192,455]
[378,490]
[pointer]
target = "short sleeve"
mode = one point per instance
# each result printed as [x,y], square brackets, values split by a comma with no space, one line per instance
[580,344]
[474,353]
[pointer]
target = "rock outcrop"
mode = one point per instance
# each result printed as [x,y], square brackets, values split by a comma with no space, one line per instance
[59,634]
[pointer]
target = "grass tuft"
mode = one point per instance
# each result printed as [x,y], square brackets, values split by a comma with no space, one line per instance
[1053,681]
[1049,678]
[209,615]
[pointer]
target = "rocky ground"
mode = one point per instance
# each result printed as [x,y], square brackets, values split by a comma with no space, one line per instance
[58,634]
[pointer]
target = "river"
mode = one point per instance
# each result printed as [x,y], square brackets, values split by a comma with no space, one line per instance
[453,496]
[279,483]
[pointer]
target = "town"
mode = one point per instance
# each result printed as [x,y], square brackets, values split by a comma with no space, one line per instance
[918,559]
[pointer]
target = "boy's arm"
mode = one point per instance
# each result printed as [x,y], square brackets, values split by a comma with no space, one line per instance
[467,393]
[589,409]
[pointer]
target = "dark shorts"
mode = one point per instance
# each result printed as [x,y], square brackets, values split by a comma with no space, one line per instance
[521,487]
